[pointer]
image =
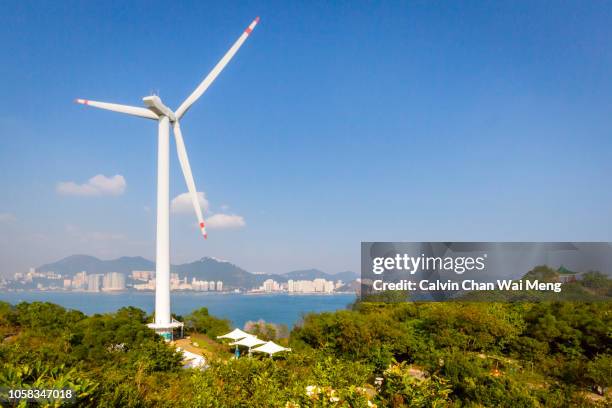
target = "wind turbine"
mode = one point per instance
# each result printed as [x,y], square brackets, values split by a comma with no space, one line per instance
[165,117]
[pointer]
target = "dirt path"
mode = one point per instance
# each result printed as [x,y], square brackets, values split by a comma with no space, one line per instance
[185,344]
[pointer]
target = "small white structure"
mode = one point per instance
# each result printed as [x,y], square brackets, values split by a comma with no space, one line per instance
[235,334]
[166,330]
[192,360]
[270,348]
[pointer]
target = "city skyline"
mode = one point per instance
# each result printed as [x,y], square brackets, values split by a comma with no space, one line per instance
[462,124]
[142,280]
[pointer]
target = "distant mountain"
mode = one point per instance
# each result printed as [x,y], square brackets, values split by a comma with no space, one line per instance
[310,274]
[207,268]
[215,269]
[346,276]
[76,263]
[306,274]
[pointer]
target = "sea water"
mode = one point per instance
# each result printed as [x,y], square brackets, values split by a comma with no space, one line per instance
[239,308]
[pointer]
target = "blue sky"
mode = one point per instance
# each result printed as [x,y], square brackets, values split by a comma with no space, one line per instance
[336,123]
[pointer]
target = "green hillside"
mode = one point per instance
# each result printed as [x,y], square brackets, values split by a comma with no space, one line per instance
[591,287]
[454,354]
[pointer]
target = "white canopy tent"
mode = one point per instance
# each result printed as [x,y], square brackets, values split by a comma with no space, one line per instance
[250,341]
[270,348]
[235,334]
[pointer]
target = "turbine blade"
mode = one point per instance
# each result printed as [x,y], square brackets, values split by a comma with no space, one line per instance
[215,71]
[184,160]
[130,110]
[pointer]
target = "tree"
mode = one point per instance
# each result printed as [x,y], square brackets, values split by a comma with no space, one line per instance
[599,371]
[266,331]
[200,321]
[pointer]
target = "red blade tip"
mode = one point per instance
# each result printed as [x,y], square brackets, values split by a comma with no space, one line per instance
[251,26]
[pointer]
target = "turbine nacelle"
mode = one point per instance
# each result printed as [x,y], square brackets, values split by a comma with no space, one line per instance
[155,104]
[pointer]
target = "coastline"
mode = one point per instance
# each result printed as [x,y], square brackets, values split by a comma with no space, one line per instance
[281,308]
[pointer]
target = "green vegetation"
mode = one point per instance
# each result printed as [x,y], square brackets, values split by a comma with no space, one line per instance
[398,354]
[592,287]
[200,321]
[267,331]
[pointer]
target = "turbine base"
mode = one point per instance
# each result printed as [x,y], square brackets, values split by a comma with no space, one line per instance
[166,330]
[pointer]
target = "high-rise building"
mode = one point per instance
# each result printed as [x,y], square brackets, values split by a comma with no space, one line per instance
[304,286]
[80,280]
[270,285]
[113,281]
[319,285]
[94,282]
[267,285]
[219,286]
[211,285]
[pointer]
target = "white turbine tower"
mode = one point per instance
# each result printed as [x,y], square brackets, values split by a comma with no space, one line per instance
[156,110]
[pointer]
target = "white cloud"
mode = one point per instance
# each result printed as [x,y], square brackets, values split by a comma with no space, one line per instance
[96,186]
[7,217]
[181,204]
[222,221]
